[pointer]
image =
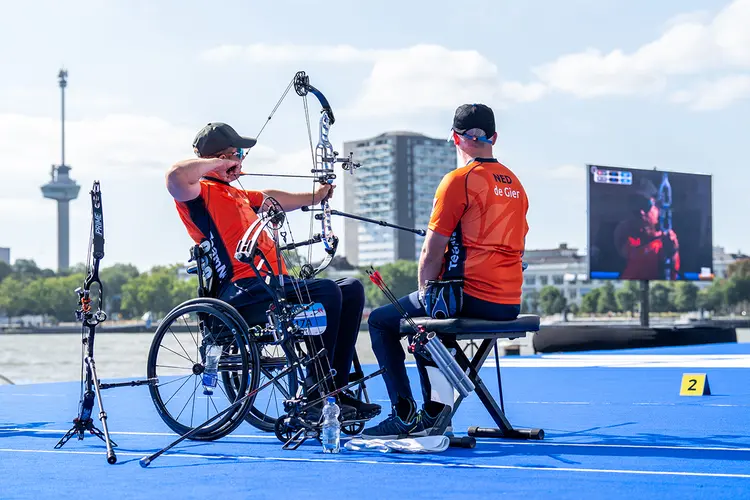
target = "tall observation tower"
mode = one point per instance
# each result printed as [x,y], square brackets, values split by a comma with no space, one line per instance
[63,189]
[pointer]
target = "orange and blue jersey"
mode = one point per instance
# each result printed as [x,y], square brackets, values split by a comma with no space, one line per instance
[482,207]
[222,214]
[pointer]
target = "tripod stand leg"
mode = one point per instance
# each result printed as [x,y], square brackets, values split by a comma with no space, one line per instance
[111,457]
[72,432]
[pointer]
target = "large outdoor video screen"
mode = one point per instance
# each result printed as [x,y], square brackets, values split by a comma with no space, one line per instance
[649,225]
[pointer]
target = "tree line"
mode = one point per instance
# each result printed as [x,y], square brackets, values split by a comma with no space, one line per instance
[722,296]
[26,289]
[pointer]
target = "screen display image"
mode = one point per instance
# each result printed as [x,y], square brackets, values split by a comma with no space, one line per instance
[649,225]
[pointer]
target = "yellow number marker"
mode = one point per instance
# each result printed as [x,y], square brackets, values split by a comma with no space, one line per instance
[694,384]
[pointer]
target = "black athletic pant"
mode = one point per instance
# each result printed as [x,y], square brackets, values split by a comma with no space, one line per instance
[385,335]
[342,299]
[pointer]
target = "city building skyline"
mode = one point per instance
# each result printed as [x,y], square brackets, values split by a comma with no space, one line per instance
[396,183]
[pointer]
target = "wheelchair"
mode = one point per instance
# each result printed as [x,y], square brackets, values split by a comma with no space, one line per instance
[251,357]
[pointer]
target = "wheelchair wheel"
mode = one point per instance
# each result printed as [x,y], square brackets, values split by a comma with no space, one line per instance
[268,404]
[177,359]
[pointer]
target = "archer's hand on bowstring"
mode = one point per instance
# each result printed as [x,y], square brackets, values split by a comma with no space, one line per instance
[324,192]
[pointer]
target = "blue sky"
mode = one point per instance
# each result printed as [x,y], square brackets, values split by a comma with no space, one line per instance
[633,83]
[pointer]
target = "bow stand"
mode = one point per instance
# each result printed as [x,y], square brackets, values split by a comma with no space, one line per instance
[90,318]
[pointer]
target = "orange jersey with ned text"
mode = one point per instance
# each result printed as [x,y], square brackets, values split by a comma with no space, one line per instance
[222,214]
[482,207]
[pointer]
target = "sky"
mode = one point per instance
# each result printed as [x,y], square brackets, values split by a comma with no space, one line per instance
[630,83]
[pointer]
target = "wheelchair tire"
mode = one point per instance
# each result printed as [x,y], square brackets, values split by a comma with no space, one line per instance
[261,414]
[241,364]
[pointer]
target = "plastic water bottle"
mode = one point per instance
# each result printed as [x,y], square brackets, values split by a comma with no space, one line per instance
[331,426]
[210,375]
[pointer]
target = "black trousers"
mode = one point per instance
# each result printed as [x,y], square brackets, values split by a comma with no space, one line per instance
[342,299]
[385,335]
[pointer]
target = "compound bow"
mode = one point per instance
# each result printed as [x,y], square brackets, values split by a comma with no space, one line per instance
[324,158]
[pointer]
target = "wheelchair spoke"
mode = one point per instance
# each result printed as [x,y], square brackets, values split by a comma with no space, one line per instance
[191,398]
[195,338]
[173,380]
[175,367]
[192,411]
[187,356]
[177,354]
[175,392]
[237,369]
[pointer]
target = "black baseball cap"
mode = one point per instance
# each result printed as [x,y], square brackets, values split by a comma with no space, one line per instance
[218,136]
[469,116]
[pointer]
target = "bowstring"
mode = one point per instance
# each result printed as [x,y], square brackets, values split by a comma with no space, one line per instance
[273,111]
[89,265]
[315,166]
[296,278]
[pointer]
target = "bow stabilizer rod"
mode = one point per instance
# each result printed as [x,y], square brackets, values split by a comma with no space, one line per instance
[420,232]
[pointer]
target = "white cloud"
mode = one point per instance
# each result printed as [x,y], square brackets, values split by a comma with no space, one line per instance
[262,53]
[690,45]
[401,81]
[714,95]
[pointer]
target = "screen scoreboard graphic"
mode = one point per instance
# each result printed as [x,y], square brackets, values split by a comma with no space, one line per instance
[612,176]
[649,224]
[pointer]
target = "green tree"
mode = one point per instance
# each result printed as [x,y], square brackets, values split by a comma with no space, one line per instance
[530,302]
[26,269]
[14,301]
[590,301]
[660,299]
[739,269]
[551,300]
[153,291]
[606,302]
[54,296]
[738,290]
[685,296]
[114,278]
[714,297]
[400,276]
[628,297]
[5,270]
[183,290]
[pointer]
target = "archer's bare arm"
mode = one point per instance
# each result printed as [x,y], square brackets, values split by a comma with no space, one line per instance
[293,201]
[431,258]
[184,176]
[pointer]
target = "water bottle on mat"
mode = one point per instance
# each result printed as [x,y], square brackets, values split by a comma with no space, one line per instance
[331,433]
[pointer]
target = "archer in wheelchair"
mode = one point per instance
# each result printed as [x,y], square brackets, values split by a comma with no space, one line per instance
[253,318]
[470,267]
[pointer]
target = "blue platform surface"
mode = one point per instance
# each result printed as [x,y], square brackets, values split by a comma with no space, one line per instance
[615,427]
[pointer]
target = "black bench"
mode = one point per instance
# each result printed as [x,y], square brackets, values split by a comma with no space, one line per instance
[452,330]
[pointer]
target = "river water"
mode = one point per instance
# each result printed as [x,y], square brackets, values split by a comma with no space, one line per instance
[36,358]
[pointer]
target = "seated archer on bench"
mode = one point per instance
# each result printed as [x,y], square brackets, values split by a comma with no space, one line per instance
[471,267]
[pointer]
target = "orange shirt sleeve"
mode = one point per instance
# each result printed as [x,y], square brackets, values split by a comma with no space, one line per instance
[449,204]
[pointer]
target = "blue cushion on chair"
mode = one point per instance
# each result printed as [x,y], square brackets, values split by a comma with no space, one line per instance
[475,328]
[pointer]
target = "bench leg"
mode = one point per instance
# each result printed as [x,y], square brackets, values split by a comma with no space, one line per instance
[504,429]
